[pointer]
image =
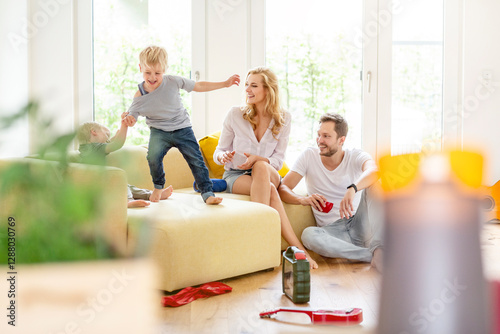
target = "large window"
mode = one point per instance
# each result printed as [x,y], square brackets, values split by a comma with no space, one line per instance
[122,28]
[313,48]
[417,76]
[329,55]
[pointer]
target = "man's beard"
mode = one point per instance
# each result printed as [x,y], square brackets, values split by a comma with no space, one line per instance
[330,152]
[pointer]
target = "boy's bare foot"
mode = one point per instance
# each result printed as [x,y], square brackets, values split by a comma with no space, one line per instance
[377,259]
[155,195]
[312,263]
[212,200]
[166,192]
[139,203]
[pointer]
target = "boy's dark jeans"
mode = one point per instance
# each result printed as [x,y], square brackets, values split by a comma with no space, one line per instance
[161,141]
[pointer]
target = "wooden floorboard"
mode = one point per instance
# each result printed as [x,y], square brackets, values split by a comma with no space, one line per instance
[336,284]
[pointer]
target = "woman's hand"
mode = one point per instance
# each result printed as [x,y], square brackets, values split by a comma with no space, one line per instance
[251,160]
[226,157]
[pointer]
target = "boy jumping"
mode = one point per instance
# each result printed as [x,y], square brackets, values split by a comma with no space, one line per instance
[158,99]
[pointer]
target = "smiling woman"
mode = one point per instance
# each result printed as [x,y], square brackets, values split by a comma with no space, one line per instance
[259,131]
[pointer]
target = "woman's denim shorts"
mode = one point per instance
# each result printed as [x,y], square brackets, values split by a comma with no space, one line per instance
[231,175]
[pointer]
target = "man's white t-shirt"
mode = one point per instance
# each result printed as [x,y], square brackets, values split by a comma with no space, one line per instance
[331,184]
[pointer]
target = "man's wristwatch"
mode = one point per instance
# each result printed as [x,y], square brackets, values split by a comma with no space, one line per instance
[353,186]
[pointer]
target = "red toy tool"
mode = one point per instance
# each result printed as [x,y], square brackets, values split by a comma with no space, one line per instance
[352,316]
[327,207]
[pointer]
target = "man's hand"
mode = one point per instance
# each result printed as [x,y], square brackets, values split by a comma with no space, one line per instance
[233,80]
[317,201]
[346,207]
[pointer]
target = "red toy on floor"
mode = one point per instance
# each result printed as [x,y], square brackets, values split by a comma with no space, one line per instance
[351,316]
[187,295]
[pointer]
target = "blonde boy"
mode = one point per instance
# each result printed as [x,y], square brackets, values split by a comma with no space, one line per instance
[158,99]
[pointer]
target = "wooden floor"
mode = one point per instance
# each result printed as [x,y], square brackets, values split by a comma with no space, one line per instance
[336,284]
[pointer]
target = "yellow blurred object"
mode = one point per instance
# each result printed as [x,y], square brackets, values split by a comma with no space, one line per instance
[402,171]
[398,171]
[468,167]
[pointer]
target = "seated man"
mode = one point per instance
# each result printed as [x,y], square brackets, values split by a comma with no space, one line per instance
[352,229]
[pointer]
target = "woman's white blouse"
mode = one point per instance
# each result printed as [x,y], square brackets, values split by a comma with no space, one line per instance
[238,135]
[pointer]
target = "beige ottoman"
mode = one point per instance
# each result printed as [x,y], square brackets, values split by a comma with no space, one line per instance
[194,243]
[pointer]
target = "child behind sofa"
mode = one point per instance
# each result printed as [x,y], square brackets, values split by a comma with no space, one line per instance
[95,144]
[158,100]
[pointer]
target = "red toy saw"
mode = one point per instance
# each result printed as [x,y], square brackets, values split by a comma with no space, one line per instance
[352,316]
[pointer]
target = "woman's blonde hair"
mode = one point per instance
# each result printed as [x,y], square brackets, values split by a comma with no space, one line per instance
[272,107]
[154,55]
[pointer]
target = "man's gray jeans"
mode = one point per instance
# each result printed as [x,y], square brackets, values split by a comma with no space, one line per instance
[354,238]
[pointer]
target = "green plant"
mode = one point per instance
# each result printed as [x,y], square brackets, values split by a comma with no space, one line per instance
[54,216]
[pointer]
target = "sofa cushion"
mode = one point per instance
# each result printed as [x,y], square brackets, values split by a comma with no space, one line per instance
[300,216]
[284,170]
[133,160]
[195,243]
[208,144]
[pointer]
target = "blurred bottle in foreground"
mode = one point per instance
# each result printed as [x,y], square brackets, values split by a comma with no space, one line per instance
[433,278]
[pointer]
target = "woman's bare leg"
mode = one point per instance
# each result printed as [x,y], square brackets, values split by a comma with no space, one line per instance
[260,190]
[261,187]
[286,228]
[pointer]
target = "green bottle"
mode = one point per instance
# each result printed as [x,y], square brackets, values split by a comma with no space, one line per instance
[296,278]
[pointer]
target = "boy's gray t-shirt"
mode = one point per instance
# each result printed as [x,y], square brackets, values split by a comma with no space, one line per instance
[163,107]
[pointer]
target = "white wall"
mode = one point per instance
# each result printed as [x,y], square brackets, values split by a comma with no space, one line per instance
[481,118]
[232,46]
[14,77]
[51,63]
[44,65]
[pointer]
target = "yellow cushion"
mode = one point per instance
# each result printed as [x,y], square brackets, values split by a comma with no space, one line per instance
[284,170]
[208,145]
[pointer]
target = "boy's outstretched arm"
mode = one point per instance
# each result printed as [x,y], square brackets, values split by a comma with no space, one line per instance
[129,121]
[119,139]
[207,86]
